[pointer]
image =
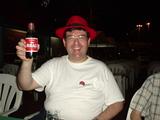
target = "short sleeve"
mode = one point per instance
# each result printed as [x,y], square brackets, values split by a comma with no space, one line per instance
[42,75]
[111,90]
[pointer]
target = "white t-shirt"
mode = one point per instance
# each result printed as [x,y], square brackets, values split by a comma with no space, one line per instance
[77,91]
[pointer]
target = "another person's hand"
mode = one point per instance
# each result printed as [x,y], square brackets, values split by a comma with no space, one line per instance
[136,115]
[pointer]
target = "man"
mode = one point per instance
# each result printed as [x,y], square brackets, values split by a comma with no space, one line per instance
[77,86]
[146,103]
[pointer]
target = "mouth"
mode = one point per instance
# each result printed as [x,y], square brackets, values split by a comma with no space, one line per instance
[76,49]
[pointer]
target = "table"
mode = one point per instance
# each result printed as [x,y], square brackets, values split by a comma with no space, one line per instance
[9,118]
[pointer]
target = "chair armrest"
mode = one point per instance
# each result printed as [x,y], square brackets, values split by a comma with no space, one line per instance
[31,115]
[8,112]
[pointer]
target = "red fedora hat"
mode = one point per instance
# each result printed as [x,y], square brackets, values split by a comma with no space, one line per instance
[76,22]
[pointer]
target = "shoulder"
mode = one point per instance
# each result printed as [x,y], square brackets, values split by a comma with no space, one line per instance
[154,79]
[54,61]
[98,62]
[100,66]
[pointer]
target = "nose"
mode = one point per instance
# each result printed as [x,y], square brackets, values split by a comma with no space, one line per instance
[76,41]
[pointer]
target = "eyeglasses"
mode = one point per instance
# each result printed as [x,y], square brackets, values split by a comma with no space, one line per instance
[79,37]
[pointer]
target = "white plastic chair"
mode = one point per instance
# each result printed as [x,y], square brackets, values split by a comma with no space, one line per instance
[28,117]
[121,81]
[129,109]
[117,69]
[120,75]
[10,95]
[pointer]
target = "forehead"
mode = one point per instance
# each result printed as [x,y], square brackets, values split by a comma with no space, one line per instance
[76,32]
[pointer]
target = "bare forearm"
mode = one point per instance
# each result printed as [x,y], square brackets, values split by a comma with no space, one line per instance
[24,78]
[111,111]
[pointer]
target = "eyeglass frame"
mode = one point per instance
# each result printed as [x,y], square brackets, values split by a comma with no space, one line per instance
[71,29]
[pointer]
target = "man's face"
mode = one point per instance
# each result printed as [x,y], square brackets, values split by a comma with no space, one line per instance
[76,44]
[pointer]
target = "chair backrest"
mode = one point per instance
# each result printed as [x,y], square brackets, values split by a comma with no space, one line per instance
[10,95]
[129,109]
[120,76]
[10,69]
[117,69]
[121,81]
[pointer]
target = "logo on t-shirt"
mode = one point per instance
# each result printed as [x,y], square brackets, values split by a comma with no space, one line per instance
[82,83]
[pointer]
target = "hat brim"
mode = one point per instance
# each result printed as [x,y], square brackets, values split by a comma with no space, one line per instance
[60,31]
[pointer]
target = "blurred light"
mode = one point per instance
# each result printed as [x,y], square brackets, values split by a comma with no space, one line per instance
[139,26]
[148,25]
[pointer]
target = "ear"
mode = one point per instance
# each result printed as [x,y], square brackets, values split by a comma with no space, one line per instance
[64,42]
[89,40]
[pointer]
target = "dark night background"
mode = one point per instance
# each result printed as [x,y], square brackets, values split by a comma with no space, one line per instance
[112,16]
[117,19]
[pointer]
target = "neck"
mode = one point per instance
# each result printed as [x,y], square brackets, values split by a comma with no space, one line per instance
[78,60]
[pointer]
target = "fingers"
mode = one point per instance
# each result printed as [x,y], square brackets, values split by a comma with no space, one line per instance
[21,51]
[22,43]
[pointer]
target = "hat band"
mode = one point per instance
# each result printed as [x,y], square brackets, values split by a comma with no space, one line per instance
[75,24]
